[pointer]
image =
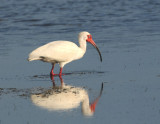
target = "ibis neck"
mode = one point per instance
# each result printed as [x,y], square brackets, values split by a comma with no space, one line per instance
[86,107]
[82,44]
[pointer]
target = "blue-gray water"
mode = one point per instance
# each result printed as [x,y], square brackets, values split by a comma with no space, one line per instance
[128,36]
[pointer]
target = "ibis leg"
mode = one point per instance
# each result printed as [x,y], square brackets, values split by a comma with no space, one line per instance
[60,77]
[52,73]
[60,72]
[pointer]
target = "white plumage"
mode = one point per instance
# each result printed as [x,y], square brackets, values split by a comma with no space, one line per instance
[62,52]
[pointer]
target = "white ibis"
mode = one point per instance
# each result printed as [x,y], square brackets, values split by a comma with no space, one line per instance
[63,52]
[66,98]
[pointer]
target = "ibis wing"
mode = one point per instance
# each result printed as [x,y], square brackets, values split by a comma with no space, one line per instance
[58,51]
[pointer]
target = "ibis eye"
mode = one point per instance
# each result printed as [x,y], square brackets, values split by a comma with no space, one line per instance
[89,36]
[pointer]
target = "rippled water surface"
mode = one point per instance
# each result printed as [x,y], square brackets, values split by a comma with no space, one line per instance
[128,36]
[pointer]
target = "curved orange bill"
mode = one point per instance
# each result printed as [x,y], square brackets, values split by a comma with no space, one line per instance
[90,40]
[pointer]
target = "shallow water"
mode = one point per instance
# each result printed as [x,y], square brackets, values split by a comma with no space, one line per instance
[127,34]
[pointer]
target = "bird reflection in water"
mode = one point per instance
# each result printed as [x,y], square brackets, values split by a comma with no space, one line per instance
[65,97]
